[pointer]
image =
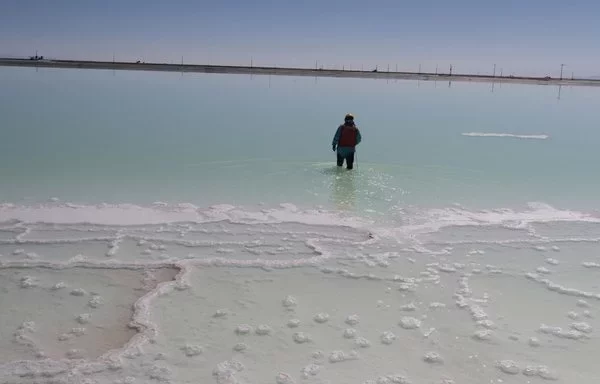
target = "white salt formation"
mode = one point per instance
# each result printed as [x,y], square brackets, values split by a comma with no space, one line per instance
[321,318]
[388,338]
[361,342]
[96,301]
[410,323]
[78,292]
[339,356]
[192,350]
[28,282]
[284,378]
[293,323]
[59,285]
[225,372]
[483,335]
[310,370]
[290,302]
[433,358]
[467,311]
[509,366]
[352,320]
[221,313]
[263,330]
[243,329]
[301,337]
[350,333]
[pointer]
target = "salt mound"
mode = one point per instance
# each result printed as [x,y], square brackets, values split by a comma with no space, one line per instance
[433,358]
[301,337]
[350,333]
[310,370]
[508,366]
[387,338]
[340,356]
[28,282]
[534,342]
[263,330]
[284,378]
[290,302]
[221,313]
[192,350]
[539,370]
[483,335]
[78,292]
[96,301]
[362,342]
[436,305]
[410,323]
[225,371]
[243,329]
[240,347]
[321,318]
[352,320]
[78,331]
[582,327]
[59,285]
[293,323]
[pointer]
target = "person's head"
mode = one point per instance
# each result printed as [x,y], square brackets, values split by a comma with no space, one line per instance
[349,119]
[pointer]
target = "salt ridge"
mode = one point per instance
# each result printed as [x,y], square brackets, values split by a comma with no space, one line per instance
[483,134]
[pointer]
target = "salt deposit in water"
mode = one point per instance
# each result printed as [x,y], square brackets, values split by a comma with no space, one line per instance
[340,356]
[301,337]
[321,318]
[387,337]
[409,323]
[192,350]
[290,302]
[221,313]
[263,330]
[433,358]
[96,301]
[362,342]
[243,329]
[284,378]
[225,371]
[509,366]
[483,335]
[350,333]
[293,323]
[310,370]
[352,320]
[78,292]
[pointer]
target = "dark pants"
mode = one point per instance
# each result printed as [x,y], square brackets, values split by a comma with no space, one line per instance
[349,160]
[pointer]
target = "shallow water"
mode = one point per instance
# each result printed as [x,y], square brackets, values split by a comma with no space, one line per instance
[193,228]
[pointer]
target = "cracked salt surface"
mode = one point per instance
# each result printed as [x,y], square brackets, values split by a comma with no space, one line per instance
[354,308]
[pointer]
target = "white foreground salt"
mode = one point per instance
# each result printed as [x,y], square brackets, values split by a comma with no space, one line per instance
[177,294]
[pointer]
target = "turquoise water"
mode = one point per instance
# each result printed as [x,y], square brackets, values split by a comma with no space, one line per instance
[104,136]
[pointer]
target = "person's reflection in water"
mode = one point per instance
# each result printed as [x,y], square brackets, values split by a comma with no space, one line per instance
[344,189]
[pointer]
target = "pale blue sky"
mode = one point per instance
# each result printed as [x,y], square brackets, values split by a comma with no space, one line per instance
[520,36]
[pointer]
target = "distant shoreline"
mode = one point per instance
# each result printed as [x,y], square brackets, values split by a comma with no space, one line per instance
[282,71]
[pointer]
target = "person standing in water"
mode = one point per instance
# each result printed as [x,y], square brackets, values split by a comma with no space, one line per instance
[346,138]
